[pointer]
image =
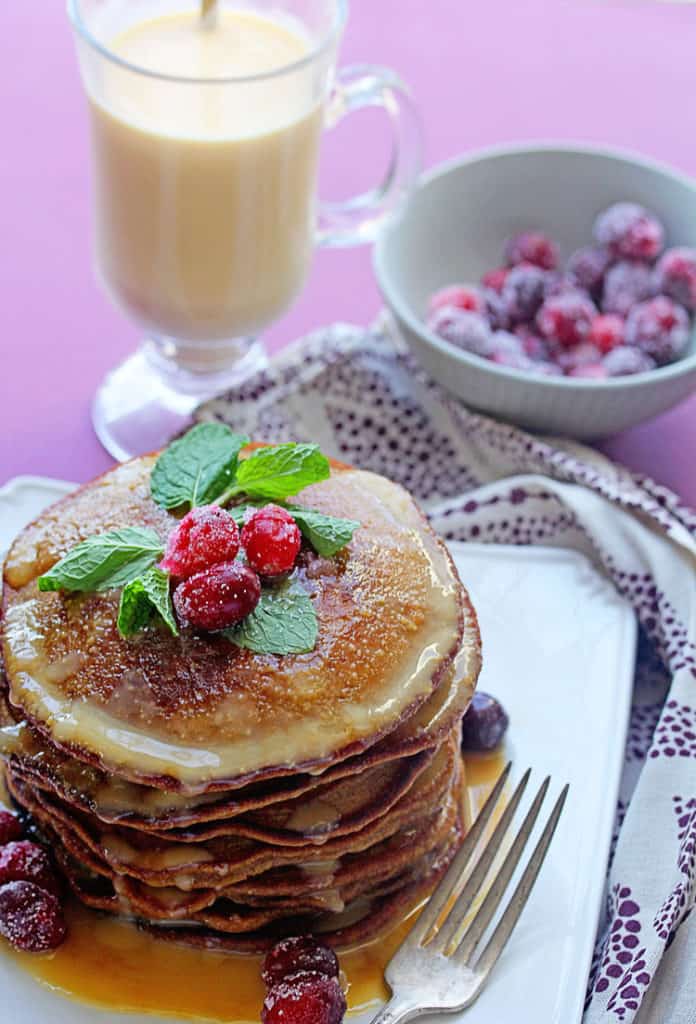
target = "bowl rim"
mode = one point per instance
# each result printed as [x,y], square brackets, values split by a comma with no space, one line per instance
[500,150]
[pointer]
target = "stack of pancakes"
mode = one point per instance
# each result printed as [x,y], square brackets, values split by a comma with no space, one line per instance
[227,797]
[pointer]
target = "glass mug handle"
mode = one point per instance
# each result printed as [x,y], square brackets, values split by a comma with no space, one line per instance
[358,220]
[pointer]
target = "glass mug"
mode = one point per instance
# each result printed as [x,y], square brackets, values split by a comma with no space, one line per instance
[205,185]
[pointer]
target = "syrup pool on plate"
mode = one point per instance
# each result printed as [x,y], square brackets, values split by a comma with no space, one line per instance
[148,975]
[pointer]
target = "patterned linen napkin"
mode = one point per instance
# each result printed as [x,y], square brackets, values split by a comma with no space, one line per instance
[362,398]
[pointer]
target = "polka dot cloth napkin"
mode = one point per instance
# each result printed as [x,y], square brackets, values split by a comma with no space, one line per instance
[363,400]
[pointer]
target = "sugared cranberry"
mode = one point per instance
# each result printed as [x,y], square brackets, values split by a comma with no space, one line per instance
[587,267]
[484,724]
[24,861]
[628,231]
[675,276]
[660,328]
[532,247]
[459,296]
[31,918]
[468,331]
[272,540]
[570,359]
[546,368]
[560,284]
[566,319]
[523,293]
[625,360]
[217,597]
[534,346]
[205,536]
[305,998]
[495,279]
[300,953]
[10,827]
[607,332]
[496,311]
[625,284]
[594,371]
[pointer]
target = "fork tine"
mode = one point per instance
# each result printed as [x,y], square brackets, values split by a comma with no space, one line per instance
[473,886]
[498,940]
[442,893]
[485,913]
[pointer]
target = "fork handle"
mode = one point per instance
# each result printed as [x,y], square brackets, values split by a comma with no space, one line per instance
[396,1011]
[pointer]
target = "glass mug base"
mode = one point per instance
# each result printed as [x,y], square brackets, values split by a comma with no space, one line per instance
[150,397]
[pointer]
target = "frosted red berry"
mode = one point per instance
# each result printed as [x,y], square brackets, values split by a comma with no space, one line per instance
[468,331]
[675,276]
[272,540]
[625,284]
[629,231]
[587,267]
[532,247]
[625,360]
[24,861]
[607,332]
[566,319]
[218,597]
[301,953]
[10,827]
[306,998]
[31,918]
[523,293]
[570,359]
[660,328]
[460,296]
[495,279]
[205,536]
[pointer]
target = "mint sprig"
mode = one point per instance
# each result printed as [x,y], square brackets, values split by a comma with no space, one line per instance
[143,599]
[283,622]
[278,472]
[104,561]
[197,468]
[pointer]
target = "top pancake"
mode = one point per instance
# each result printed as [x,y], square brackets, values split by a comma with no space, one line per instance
[194,711]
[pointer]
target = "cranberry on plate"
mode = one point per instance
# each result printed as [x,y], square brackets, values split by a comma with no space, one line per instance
[24,861]
[484,724]
[31,918]
[305,998]
[300,953]
[272,540]
[11,827]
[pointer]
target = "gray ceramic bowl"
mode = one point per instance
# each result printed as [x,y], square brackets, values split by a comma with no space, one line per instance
[453,229]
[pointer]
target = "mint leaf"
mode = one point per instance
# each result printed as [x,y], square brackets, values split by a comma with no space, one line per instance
[142,598]
[326,534]
[104,561]
[278,472]
[198,467]
[283,622]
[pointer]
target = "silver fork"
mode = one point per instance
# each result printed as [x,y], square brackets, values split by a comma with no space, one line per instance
[436,970]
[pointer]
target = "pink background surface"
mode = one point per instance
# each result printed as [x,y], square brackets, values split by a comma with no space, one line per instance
[482,71]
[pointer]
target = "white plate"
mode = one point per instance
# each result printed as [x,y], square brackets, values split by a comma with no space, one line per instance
[559,647]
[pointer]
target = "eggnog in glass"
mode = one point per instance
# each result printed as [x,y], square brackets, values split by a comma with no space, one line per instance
[205,141]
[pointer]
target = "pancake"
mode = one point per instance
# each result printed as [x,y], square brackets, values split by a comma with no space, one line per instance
[224,798]
[194,713]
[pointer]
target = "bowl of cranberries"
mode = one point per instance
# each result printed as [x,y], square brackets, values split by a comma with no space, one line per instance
[554,287]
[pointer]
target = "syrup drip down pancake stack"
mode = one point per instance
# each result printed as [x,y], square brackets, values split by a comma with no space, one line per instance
[225,797]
